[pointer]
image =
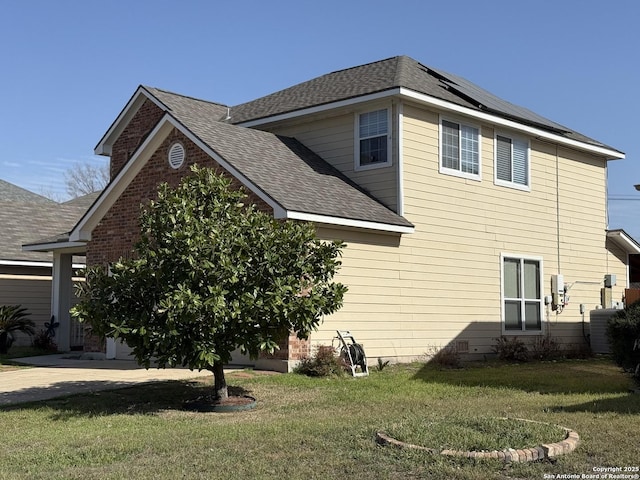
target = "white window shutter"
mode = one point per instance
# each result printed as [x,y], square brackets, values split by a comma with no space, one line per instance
[503,158]
[520,162]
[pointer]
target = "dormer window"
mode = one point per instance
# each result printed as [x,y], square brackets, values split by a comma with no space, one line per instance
[373,148]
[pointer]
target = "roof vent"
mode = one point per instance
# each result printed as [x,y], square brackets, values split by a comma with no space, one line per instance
[176,155]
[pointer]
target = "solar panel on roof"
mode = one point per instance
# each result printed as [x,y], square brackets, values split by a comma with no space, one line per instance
[493,103]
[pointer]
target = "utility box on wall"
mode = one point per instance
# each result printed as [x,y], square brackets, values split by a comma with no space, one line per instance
[610,281]
[598,329]
[557,290]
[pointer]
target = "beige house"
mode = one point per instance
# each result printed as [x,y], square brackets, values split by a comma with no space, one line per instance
[466,217]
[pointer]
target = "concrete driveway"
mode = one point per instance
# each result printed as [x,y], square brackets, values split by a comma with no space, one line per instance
[63,374]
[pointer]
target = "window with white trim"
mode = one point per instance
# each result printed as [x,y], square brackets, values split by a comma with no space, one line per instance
[373,148]
[522,302]
[459,149]
[512,161]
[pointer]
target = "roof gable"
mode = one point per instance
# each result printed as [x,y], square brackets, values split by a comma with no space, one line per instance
[289,177]
[168,102]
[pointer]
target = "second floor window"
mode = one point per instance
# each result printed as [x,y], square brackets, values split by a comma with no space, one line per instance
[373,144]
[512,162]
[459,149]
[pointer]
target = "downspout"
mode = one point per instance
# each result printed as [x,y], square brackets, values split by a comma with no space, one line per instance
[606,216]
[558,207]
[400,170]
[557,228]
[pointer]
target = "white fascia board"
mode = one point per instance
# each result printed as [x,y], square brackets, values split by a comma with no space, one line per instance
[535,132]
[321,108]
[25,263]
[123,119]
[624,241]
[346,222]
[82,231]
[77,247]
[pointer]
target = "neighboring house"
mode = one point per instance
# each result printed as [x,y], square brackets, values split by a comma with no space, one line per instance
[461,211]
[634,271]
[25,277]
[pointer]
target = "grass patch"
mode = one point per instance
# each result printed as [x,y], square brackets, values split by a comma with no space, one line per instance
[308,428]
[473,433]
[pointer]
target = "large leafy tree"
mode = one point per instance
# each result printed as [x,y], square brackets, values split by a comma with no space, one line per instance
[212,273]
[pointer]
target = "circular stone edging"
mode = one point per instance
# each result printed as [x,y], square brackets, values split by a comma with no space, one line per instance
[547,450]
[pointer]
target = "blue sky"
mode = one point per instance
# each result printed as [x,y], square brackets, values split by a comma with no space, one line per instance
[68,67]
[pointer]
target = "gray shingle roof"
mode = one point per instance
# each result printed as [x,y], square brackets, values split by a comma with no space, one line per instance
[291,174]
[190,108]
[401,71]
[27,218]
[13,193]
[332,87]
[83,202]
[285,170]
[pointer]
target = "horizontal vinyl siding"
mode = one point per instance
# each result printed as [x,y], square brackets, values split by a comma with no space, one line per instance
[373,307]
[442,283]
[33,293]
[333,140]
[617,265]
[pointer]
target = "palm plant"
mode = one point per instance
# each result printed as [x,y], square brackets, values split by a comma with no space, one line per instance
[13,318]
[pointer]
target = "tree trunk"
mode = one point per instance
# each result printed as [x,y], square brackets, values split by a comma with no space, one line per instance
[219,382]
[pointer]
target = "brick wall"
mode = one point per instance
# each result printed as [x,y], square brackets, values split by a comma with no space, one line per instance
[115,235]
[92,343]
[291,348]
[148,115]
[298,349]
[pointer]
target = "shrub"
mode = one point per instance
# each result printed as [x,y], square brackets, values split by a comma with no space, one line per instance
[512,349]
[623,328]
[43,341]
[447,357]
[13,318]
[324,363]
[545,348]
[578,351]
[382,364]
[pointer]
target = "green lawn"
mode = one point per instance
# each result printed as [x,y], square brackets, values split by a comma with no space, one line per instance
[310,428]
